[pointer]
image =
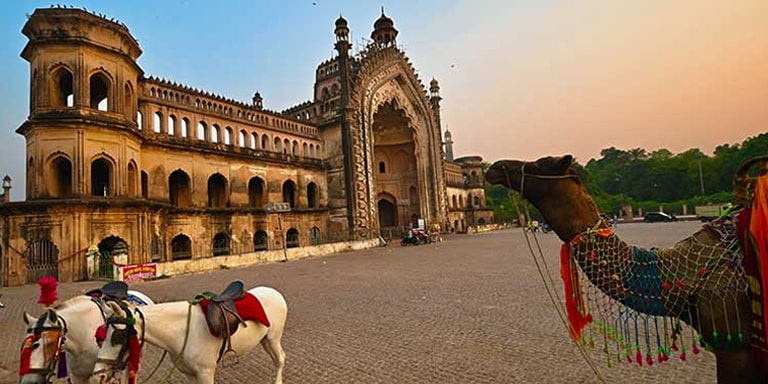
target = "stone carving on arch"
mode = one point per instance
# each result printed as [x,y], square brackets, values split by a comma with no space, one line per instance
[102,71]
[385,76]
[60,64]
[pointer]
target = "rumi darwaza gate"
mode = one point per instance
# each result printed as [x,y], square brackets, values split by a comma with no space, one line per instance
[157,172]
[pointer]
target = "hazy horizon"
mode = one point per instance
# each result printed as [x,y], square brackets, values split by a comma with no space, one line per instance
[519,79]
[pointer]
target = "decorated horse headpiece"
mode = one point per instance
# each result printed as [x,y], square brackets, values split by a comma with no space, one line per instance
[125,335]
[49,333]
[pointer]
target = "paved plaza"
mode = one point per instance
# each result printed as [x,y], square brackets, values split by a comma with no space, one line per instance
[471,309]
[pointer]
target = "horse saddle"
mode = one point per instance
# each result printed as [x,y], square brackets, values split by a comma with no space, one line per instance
[116,290]
[221,314]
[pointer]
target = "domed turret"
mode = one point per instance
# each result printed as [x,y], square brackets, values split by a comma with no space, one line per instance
[341,31]
[384,33]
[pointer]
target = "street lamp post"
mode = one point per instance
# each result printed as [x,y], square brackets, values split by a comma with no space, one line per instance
[701,178]
[279,208]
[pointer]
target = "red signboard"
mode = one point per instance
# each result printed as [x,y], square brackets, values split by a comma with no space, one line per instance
[140,272]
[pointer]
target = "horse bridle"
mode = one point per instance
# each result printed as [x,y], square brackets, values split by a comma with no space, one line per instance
[121,337]
[32,342]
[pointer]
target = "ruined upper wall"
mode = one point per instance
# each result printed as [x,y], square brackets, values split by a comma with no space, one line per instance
[77,25]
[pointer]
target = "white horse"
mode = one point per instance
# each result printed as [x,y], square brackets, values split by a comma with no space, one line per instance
[180,328]
[65,331]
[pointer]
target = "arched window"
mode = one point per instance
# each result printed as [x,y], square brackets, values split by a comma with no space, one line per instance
[469,200]
[241,139]
[289,193]
[179,188]
[292,238]
[144,185]
[181,248]
[312,195]
[265,143]
[60,185]
[217,191]
[260,241]
[132,179]
[256,192]
[277,144]
[295,148]
[215,133]
[156,124]
[453,200]
[254,140]
[228,136]
[461,201]
[305,150]
[286,146]
[477,201]
[382,167]
[413,195]
[221,244]
[101,172]
[61,89]
[171,125]
[314,236]
[99,86]
[185,127]
[201,127]
[139,120]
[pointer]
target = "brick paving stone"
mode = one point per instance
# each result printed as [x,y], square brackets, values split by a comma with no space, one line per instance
[471,309]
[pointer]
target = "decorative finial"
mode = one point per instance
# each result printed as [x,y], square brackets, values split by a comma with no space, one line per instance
[382,10]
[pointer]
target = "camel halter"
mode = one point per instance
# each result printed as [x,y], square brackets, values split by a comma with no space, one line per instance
[535,176]
[541,262]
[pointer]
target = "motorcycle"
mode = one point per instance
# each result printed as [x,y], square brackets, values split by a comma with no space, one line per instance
[409,238]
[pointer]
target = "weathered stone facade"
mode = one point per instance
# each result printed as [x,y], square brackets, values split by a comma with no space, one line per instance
[159,172]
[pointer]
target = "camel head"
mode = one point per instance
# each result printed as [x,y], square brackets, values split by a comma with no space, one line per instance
[554,188]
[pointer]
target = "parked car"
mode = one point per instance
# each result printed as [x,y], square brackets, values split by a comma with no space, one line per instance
[653,217]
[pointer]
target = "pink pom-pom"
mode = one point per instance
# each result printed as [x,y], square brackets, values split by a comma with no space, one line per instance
[682,356]
[48,294]
[695,350]
[639,358]
[649,360]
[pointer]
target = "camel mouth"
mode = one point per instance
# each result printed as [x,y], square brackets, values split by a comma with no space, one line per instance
[499,172]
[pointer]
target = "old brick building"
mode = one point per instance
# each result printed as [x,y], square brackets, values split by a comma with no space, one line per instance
[160,172]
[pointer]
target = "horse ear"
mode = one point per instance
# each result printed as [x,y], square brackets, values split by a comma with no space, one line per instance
[116,308]
[28,318]
[52,316]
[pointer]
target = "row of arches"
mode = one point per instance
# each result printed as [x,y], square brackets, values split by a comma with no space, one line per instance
[458,202]
[180,191]
[164,94]
[62,89]
[215,134]
[221,244]
[102,179]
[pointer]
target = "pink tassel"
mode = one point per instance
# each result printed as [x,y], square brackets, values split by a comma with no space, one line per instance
[48,293]
[649,360]
[639,358]
[682,356]
[695,350]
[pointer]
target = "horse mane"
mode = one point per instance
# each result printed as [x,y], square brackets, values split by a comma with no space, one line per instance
[71,302]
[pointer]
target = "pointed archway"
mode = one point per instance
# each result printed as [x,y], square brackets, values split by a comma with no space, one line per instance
[394,153]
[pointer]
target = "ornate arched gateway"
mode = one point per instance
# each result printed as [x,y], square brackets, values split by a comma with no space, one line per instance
[392,130]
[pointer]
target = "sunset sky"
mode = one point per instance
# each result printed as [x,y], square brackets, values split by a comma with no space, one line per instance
[520,79]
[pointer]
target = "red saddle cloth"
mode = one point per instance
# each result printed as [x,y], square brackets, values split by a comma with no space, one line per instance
[752,228]
[249,308]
